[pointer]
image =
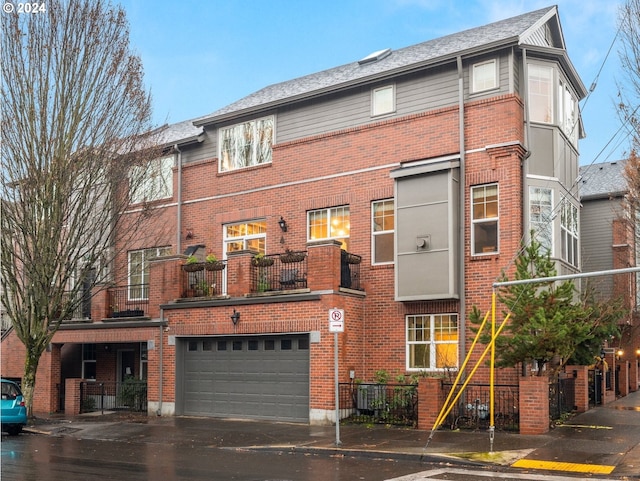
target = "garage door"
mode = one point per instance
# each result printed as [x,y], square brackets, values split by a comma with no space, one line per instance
[262,377]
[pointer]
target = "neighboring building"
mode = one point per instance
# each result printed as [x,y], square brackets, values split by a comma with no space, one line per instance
[609,241]
[409,178]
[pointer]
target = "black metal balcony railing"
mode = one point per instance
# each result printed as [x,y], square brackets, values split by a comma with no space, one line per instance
[128,301]
[203,280]
[279,272]
[350,270]
[82,301]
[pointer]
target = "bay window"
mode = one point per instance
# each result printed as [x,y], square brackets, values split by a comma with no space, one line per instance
[540,212]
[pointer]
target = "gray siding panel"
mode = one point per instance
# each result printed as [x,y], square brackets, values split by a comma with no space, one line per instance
[597,240]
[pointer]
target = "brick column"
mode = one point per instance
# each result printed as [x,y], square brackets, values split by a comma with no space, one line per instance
[581,375]
[429,401]
[165,282]
[239,272]
[623,377]
[323,265]
[45,397]
[633,376]
[534,405]
[72,397]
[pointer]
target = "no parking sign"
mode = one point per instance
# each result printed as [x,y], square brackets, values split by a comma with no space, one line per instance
[336,320]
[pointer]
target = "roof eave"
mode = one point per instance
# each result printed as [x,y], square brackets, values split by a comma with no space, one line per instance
[431,63]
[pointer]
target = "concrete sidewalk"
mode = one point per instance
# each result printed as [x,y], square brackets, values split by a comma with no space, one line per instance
[604,440]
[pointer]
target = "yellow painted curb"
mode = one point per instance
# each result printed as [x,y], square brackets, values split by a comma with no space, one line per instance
[562,466]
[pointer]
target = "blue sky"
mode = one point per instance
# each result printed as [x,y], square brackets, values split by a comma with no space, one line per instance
[202,55]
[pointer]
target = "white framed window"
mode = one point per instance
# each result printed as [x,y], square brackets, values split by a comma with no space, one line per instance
[245,144]
[138,288]
[541,93]
[245,235]
[569,232]
[432,341]
[484,219]
[383,100]
[540,216]
[330,223]
[88,361]
[382,227]
[484,76]
[152,182]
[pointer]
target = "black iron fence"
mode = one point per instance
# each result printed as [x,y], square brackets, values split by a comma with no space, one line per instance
[279,272]
[128,301]
[562,397]
[129,395]
[472,408]
[203,279]
[395,404]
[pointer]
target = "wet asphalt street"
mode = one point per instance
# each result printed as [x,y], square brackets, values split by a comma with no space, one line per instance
[32,457]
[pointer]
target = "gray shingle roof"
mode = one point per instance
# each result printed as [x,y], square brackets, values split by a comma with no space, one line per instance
[432,51]
[602,180]
[177,133]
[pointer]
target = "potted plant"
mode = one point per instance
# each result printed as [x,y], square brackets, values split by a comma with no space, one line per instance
[211,263]
[192,264]
[259,260]
[290,256]
[202,289]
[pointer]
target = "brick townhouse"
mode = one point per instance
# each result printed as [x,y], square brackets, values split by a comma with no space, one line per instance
[395,188]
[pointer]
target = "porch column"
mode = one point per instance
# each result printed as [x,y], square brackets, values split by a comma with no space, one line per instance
[72,397]
[581,393]
[324,265]
[165,282]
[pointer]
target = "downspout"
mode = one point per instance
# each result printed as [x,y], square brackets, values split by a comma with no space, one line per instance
[160,371]
[179,201]
[525,164]
[461,208]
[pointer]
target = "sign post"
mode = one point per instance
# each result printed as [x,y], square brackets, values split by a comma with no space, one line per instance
[336,325]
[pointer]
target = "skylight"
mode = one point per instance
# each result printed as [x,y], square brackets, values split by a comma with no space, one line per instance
[375,56]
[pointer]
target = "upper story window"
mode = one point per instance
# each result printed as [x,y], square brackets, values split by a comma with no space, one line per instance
[569,232]
[568,112]
[246,236]
[331,223]
[246,144]
[152,182]
[383,100]
[383,225]
[139,270]
[484,219]
[484,76]
[541,93]
[432,341]
[540,212]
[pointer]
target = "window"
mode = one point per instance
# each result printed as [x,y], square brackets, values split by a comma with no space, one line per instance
[144,360]
[540,93]
[246,144]
[245,235]
[383,225]
[332,223]
[569,115]
[484,219]
[383,100]
[88,361]
[540,212]
[152,182]
[569,232]
[139,270]
[484,76]
[432,341]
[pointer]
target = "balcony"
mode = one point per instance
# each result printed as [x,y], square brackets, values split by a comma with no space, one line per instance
[128,301]
[284,273]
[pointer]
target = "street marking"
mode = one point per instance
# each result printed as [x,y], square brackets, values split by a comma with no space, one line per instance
[561,466]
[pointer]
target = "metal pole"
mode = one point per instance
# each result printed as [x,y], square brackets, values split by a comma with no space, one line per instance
[567,276]
[492,372]
[335,375]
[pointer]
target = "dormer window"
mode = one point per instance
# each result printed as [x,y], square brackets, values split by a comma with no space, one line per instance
[246,144]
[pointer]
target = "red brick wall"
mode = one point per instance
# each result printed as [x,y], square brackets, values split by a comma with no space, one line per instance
[534,405]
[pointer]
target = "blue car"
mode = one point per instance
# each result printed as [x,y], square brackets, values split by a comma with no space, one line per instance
[13,412]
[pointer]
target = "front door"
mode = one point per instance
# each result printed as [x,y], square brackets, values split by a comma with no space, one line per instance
[126,364]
